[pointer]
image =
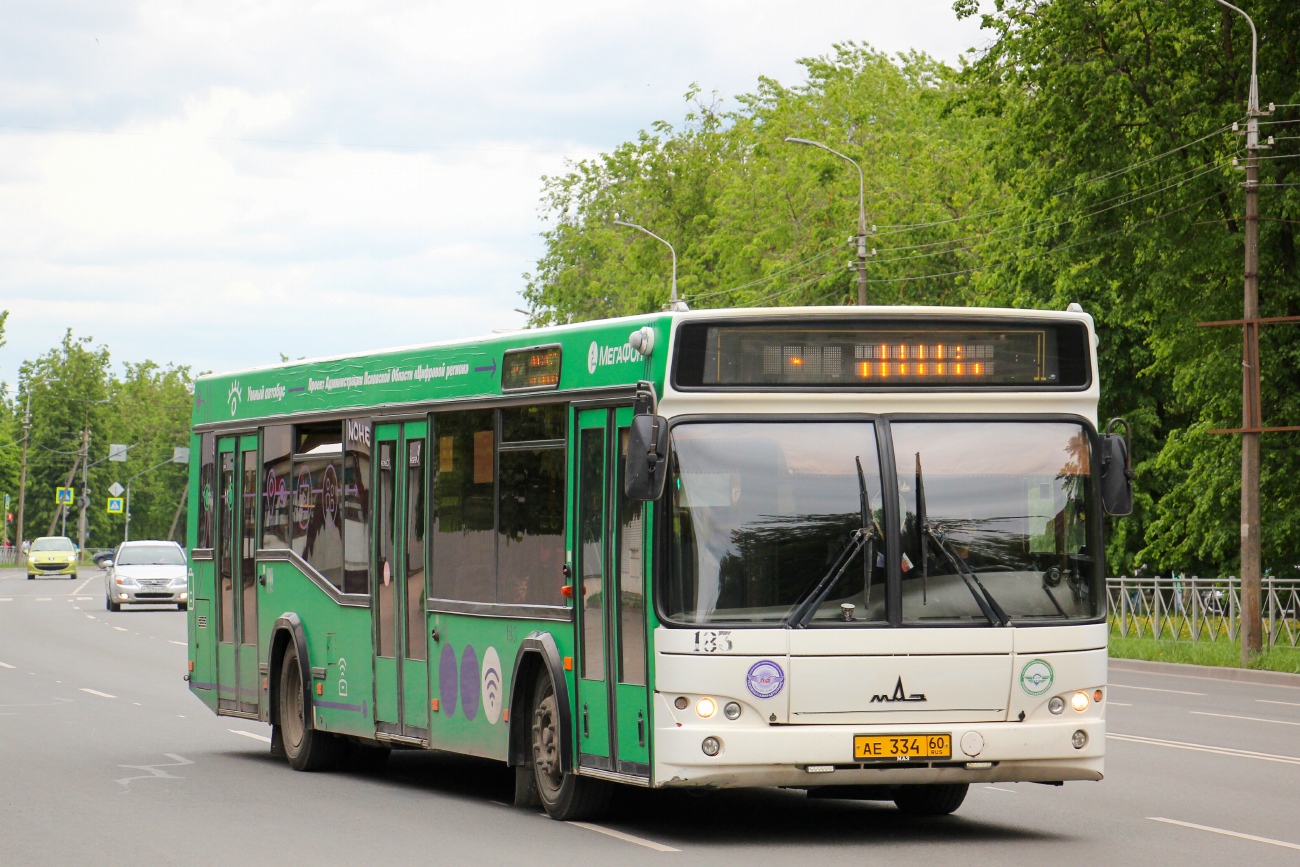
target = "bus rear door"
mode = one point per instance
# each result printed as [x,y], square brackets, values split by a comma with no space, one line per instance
[237,538]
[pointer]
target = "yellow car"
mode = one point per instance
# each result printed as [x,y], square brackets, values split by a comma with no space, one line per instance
[52,555]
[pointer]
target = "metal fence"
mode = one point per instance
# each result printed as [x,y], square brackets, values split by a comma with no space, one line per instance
[1201,609]
[11,556]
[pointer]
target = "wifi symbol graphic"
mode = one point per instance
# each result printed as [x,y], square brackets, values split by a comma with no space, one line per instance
[491,688]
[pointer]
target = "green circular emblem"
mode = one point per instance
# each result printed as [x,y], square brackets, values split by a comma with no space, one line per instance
[1036,677]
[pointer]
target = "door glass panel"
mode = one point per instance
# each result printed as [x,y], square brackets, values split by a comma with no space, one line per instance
[384,608]
[590,508]
[415,644]
[631,582]
[225,566]
[248,548]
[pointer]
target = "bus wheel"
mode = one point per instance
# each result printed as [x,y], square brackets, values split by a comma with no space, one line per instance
[304,747]
[566,797]
[938,799]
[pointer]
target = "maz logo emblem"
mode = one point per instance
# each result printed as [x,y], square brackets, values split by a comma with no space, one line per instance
[900,694]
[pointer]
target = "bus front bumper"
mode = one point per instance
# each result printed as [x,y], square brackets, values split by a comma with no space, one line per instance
[802,756]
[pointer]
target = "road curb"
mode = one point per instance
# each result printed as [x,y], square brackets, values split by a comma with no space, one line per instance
[1210,672]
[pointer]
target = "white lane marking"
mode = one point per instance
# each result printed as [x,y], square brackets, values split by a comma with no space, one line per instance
[85,598]
[7,599]
[1153,689]
[120,628]
[627,838]
[181,643]
[1226,832]
[82,585]
[6,665]
[91,616]
[1205,748]
[97,692]
[1280,722]
[263,738]
[1119,704]
[44,599]
[996,789]
[1287,703]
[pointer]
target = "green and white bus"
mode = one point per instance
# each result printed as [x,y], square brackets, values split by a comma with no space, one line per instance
[852,550]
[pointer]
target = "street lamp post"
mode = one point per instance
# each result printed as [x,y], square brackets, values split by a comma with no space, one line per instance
[862,214]
[674,303]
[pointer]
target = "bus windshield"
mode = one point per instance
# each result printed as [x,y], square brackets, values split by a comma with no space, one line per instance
[765,517]
[761,511]
[997,521]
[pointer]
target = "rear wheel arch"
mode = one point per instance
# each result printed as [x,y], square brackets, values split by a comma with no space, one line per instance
[287,629]
[537,653]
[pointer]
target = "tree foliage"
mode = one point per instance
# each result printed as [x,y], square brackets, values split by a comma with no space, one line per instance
[72,388]
[1083,155]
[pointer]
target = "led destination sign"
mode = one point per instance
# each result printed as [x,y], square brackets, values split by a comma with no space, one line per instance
[533,368]
[913,354]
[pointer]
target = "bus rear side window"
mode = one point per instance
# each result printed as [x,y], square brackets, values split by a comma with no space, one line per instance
[464,541]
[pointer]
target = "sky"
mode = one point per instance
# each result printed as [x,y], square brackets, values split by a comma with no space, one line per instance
[214,184]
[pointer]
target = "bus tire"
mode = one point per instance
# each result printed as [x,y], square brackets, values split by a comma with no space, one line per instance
[566,797]
[937,799]
[306,748]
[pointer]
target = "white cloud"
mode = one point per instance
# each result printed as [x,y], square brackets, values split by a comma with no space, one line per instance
[214,183]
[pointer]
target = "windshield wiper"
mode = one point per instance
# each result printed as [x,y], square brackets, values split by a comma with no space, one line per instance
[988,606]
[864,536]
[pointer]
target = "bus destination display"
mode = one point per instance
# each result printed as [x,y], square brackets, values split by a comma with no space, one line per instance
[901,355]
[531,369]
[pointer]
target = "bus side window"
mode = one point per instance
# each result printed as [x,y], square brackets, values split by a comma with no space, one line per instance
[464,503]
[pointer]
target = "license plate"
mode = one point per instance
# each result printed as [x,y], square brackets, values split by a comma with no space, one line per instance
[901,748]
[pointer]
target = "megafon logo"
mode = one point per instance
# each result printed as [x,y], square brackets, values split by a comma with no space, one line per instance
[599,356]
[232,396]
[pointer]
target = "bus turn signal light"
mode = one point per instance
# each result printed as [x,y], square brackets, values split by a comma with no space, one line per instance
[568,663]
[567,591]
[320,689]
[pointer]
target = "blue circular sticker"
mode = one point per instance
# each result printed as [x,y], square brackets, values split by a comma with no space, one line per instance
[765,678]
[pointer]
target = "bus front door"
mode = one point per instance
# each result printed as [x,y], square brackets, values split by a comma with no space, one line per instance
[237,646]
[613,708]
[398,594]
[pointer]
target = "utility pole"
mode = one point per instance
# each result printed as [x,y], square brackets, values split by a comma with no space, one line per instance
[22,476]
[861,265]
[84,499]
[1252,418]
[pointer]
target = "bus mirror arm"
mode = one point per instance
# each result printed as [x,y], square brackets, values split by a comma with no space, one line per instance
[1116,470]
[647,458]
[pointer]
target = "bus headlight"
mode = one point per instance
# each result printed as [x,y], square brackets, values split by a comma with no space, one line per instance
[731,710]
[1056,705]
[706,707]
[711,746]
[1079,701]
[1079,739]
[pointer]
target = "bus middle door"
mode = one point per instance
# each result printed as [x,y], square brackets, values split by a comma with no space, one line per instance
[612,711]
[237,538]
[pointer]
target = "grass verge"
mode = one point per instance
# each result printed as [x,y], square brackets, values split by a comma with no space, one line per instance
[1226,654]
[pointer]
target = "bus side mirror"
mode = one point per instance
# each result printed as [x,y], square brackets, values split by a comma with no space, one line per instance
[1116,471]
[647,458]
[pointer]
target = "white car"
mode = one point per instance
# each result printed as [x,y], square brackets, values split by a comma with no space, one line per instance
[146,573]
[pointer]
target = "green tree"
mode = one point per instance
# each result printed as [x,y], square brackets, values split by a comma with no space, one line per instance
[1127,201]
[756,220]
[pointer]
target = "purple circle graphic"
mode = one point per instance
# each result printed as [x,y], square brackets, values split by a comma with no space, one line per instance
[469,685]
[447,681]
[765,679]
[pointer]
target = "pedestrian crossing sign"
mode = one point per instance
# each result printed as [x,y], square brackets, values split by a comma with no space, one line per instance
[115,505]
[63,496]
